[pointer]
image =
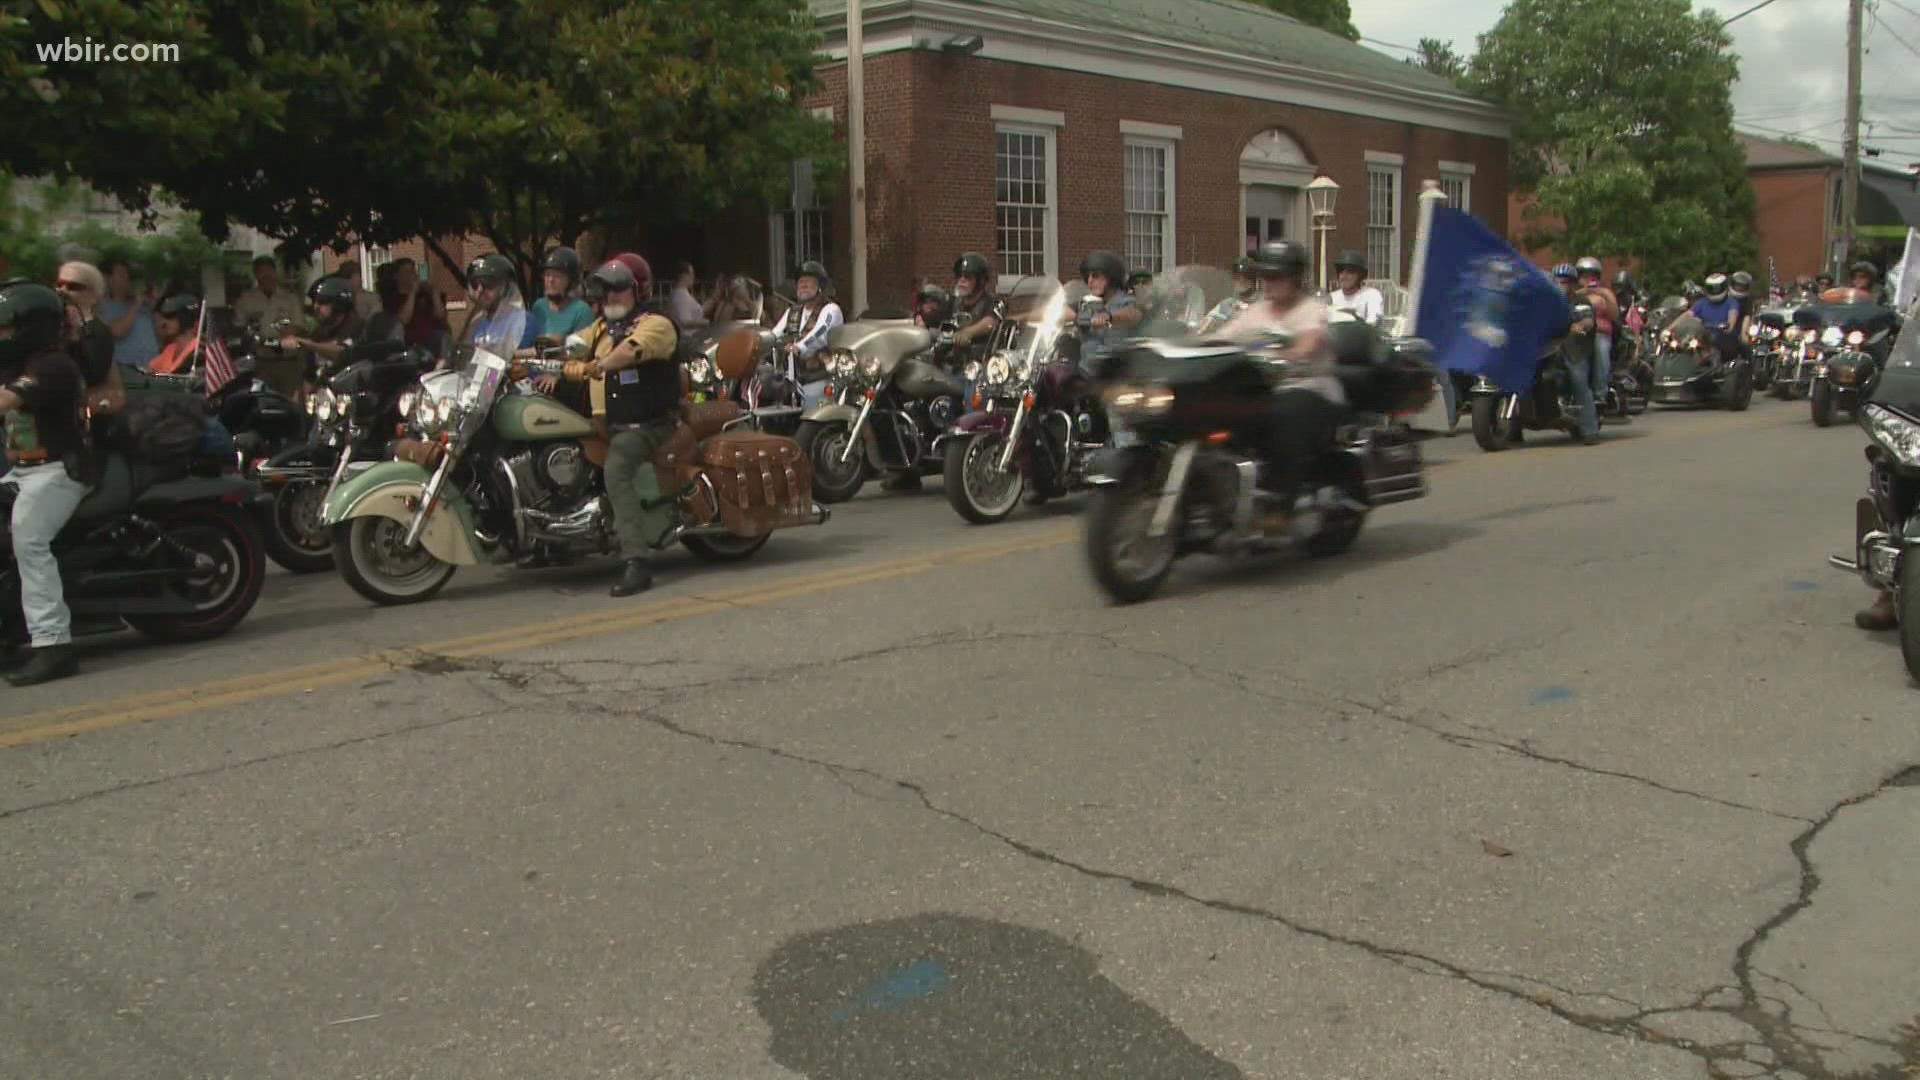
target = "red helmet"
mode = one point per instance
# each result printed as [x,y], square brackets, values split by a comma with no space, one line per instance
[642,273]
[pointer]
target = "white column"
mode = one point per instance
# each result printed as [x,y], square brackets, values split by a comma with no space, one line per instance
[857,150]
[1434,417]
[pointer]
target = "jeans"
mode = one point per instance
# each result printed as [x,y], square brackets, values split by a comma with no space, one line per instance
[641,515]
[810,393]
[46,501]
[1580,372]
[1300,428]
[1603,365]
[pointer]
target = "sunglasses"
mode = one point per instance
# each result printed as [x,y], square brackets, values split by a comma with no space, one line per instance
[72,286]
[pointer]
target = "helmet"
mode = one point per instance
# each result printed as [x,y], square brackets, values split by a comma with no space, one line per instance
[37,316]
[614,275]
[493,269]
[1742,280]
[1864,267]
[812,268]
[327,290]
[1104,262]
[185,307]
[932,293]
[1351,260]
[1823,278]
[1281,258]
[1139,277]
[1690,290]
[1587,264]
[973,264]
[564,259]
[640,268]
[1716,285]
[1564,272]
[1622,280]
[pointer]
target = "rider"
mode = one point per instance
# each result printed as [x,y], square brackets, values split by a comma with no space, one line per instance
[1579,353]
[932,306]
[1353,293]
[1822,281]
[636,352]
[973,303]
[174,322]
[41,391]
[1104,273]
[1245,286]
[1606,322]
[1741,286]
[559,312]
[499,322]
[810,321]
[1720,312]
[1865,277]
[1309,404]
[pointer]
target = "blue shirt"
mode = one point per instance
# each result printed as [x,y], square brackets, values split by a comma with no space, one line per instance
[1714,312]
[140,345]
[482,324]
[569,318]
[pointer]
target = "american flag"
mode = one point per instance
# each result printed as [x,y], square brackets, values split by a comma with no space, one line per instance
[216,364]
[1774,291]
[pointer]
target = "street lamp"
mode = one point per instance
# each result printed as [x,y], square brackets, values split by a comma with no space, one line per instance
[1322,193]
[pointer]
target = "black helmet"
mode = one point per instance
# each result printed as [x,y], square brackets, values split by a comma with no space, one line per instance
[1351,260]
[973,264]
[1139,278]
[492,269]
[814,269]
[1622,280]
[932,293]
[1243,266]
[1864,267]
[185,307]
[1105,262]
[1587,264]
[37,316]
[331,290]
[564,259]
[613,276]
[1282,258]
[1823,279]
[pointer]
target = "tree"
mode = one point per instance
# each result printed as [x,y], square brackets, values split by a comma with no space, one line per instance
[1440,58]
[1333,16]
[1623,132]
[527,121]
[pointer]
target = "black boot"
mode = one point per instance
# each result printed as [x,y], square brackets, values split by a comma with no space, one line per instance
[635,577]
[46,664]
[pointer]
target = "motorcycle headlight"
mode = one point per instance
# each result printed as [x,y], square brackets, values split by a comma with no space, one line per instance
[1132,401]
[445,411]
[323,406]
[1856,339]
[1900,436]
[840,362]
[972,371]
[1753,331]
[1793,333]
[699,370]
[870,367]
[1832,337]
[407,399]
[997,370]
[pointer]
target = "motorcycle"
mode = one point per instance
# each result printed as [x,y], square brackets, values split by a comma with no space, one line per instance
[887,397]
[1887,520]
[1690,371]
[1182,475]
[1852,339]
[1501,417]
[764,393]
[177,560]
[353,420]
[1766,341]
[489,468]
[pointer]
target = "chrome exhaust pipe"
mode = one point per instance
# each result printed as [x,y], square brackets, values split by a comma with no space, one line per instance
[288,474]
[1841,562]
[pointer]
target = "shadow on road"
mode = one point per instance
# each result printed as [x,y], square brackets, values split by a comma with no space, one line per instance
[948,997]
[1377,544]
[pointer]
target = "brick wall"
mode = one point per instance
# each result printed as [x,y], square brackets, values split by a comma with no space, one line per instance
[1790,214]
[930,151]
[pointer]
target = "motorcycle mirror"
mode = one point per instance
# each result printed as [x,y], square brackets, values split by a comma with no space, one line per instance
[576,347]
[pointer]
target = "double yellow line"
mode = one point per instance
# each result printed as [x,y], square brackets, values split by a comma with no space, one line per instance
[180,701]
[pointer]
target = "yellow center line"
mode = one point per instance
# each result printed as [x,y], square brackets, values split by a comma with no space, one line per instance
[179,701]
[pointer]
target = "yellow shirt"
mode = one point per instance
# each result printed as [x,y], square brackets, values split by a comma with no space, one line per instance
[652,336]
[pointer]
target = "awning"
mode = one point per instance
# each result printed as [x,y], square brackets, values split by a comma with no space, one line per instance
[1889,201]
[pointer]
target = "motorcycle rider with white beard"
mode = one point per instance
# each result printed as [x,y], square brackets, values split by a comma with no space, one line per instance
[811,320]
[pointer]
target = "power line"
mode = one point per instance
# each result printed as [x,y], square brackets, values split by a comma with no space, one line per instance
[1880,24]
[1901,6]
[1744,14]
[1389,44]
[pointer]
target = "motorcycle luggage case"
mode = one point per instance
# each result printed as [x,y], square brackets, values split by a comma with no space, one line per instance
[763,482]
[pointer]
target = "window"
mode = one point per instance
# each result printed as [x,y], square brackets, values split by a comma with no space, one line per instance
[1023,199]
[798,235]
[1149,204]
[1456,183]
[1383,218]
[371,258]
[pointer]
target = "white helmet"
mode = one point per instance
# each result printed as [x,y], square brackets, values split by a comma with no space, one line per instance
[1716,285]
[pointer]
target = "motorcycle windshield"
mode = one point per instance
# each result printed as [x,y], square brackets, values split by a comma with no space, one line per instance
[501,332]
[1900,383]
[1038,310]
[1180,300]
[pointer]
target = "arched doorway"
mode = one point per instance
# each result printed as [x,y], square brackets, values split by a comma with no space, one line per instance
[1274,174]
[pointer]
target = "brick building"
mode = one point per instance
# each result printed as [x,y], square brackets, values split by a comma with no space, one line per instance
[1797,206]
[1171,132]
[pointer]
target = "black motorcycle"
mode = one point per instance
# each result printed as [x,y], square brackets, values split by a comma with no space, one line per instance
[1501,419]
[1690,370]
[353,420]
[1182,474]
[175,559]
[1887,520]
[1767,345]
[1852,341]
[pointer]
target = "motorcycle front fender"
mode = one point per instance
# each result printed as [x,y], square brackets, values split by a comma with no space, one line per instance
[997,421]
[830,413]
[302,462]
[392,489]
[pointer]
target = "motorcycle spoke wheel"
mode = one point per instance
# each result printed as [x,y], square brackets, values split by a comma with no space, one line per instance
[1129,564]
[373,558]
[982,491]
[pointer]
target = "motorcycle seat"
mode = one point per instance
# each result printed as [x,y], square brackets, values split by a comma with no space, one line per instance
[708,418]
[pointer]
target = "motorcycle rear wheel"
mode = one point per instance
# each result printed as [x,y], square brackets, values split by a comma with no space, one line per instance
[1907,606]
[1116,516]
[355,552]
[726,548]
[232,539]
[1821,401]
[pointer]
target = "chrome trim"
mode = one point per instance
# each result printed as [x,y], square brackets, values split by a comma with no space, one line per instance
[853,433]
[1249,473]
[429,499]
[518,511]
[1176,484]
[1013,435]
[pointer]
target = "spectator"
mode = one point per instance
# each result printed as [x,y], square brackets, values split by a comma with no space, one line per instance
[685,310]
[128,317]
[267,302]
[420,310]
[365,304]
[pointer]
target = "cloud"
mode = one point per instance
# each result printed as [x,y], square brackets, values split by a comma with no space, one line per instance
[1792,61]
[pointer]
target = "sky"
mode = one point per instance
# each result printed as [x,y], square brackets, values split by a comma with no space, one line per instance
[1793,62]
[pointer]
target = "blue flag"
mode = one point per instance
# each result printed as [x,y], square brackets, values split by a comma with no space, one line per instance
[1485,309]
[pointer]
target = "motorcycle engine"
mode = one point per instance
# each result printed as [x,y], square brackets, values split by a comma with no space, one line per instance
[563,470]
[943,411]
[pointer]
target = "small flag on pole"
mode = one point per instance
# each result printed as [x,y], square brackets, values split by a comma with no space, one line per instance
[1774,291]
[216,364]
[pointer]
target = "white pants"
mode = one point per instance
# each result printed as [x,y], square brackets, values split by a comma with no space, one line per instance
[47,498]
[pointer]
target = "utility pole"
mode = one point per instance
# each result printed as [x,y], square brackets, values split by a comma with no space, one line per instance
[857,149]
[1850,179]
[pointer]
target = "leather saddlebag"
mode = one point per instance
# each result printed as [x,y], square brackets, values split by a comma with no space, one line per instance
[677,463]
[764,482]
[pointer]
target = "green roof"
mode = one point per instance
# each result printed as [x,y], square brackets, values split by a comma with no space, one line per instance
[1232,27]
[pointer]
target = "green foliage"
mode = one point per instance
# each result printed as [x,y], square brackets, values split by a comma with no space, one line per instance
[1333,16]
[523,120]
[35,250]
[1623,132]
[1439,57]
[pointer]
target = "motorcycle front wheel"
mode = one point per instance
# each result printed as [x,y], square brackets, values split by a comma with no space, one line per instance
[1129,565]
[291,528]
[834,480]
[977,487]
[1489,430]
[1821,402]
[368,553]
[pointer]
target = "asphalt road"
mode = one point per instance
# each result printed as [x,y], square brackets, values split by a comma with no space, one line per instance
[1576,768]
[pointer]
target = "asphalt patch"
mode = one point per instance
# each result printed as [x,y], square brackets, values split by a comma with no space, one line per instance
[950,997]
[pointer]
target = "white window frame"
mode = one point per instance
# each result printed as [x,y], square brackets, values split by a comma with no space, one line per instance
[1166,139]
[371,256]
[778,271]
[1393,166]
[1046,125]
[1461,173]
